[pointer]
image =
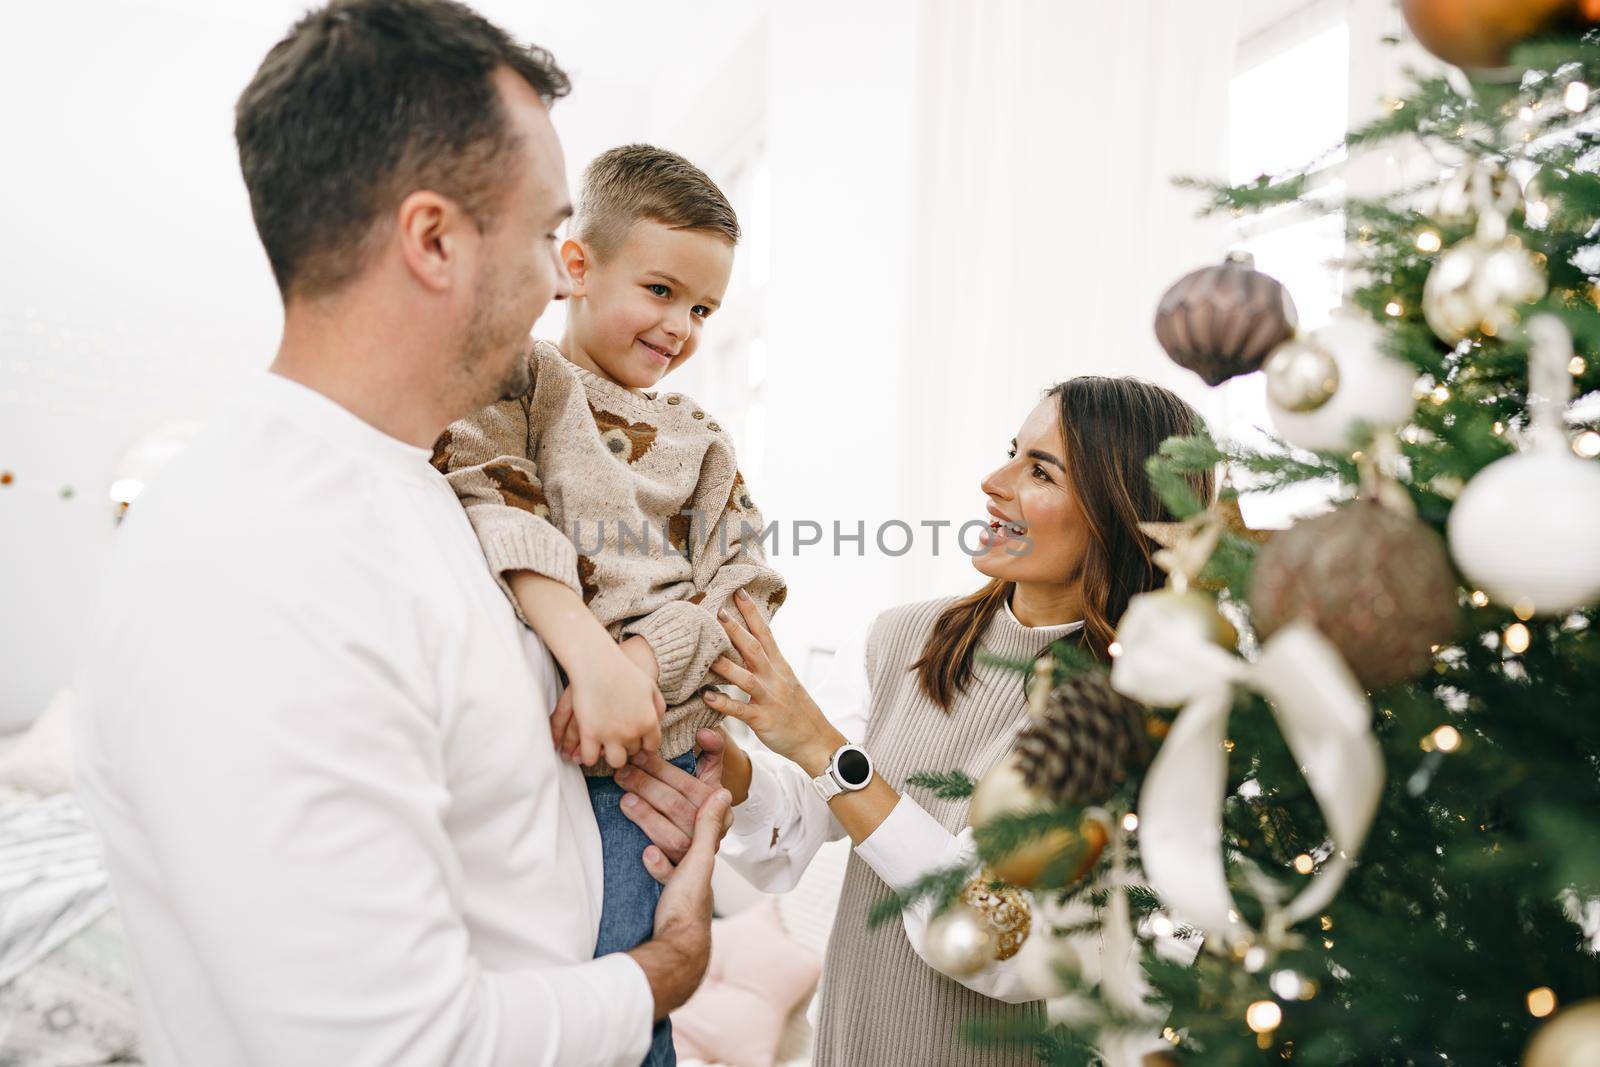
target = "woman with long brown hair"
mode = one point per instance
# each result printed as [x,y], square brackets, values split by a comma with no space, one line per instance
[1063,555]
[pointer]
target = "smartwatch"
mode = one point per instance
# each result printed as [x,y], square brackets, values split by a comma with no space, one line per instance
[850,769]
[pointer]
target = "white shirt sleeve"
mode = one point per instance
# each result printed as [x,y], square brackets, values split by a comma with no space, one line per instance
[301,779]
[910,843]
[780,826]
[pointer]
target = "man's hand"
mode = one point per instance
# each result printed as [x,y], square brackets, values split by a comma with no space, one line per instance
[674,960]
[611,708]
[664,801]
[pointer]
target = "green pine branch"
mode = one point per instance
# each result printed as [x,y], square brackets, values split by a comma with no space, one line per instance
[940,886]
[946,785]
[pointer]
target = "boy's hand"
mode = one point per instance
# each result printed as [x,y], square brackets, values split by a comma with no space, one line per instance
[611,709]
[638,650]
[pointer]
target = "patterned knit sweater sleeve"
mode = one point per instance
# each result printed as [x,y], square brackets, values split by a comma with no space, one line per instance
[487,458]
[726,555]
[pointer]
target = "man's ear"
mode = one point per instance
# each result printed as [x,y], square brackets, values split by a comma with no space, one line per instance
[434,234]
[576,259]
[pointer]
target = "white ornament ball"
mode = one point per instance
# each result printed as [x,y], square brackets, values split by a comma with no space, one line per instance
[1478,285]
[1523,530]
[1373,390]
[1571,1039]
[960,942]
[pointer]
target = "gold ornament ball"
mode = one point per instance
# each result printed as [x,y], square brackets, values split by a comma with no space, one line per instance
[1301,376]
[1003,791]
[1571,1039]
[1481,33]
[1004,908]
[1480,283]
[959,941]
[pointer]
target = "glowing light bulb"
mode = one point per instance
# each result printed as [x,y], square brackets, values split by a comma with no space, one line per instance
[1130,822]
[1576,98]
[1304,863]
[1541,1001]
[1263,1016]
[1285,984]
[1479,598]
[1587,445]
[1428,241]
[1517,637]
[1446,738]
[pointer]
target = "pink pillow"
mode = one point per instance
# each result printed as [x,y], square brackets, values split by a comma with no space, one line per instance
[757,976]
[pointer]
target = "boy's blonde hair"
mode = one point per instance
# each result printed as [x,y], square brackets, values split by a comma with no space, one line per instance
[638,181]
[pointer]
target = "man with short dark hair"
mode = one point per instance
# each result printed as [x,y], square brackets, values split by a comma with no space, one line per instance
[311,732]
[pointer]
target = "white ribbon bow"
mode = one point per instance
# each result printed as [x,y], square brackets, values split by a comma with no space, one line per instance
[1168,659]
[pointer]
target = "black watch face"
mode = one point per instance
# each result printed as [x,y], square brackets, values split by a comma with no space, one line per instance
[854,767]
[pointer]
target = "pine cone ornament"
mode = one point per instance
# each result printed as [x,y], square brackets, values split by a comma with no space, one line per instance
[1084,740]
[1223,321]
[1377,583]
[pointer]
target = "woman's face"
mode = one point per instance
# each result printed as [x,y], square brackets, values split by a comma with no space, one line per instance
[1037,533]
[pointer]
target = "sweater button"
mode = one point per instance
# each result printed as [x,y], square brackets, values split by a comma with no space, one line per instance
[673,399]
[699,414]
[713,427]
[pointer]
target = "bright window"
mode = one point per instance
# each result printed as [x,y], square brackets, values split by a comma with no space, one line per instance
[1289,105]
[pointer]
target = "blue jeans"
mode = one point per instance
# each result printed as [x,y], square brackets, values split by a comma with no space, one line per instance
[628,914]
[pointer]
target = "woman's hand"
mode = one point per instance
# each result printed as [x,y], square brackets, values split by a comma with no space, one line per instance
[780,710]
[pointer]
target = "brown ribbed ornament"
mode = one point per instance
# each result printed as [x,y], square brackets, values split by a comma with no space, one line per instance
[1223,321]
[1083,742]
[1375,582]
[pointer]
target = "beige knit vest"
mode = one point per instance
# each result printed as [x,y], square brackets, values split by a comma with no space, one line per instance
[881,1005]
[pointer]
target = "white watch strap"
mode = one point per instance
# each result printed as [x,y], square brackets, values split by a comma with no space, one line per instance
[826,785]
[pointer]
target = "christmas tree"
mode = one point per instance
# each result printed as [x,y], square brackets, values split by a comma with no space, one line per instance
[1374,798]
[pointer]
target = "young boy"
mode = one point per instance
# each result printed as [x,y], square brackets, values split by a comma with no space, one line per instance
[611,513]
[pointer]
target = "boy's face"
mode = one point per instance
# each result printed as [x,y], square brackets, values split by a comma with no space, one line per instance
[638,314]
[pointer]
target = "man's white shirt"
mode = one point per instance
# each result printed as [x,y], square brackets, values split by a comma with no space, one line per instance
[315,741]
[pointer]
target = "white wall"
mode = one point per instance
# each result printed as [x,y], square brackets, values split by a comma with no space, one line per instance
[1048,227]
[919,226]
[132,291]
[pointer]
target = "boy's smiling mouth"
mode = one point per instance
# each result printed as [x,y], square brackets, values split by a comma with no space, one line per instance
[658,352]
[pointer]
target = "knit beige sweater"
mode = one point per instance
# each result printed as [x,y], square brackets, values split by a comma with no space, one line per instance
[634,500]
